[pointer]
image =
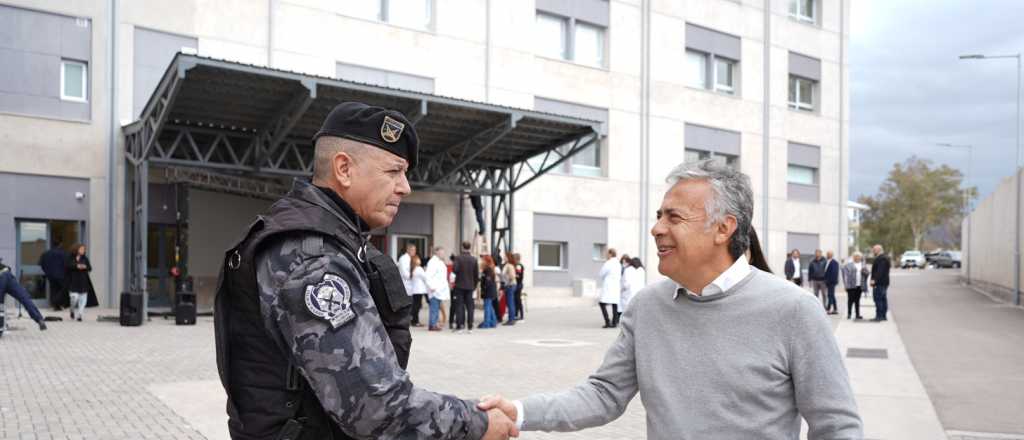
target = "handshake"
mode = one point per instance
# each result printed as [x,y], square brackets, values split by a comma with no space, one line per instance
[501,417]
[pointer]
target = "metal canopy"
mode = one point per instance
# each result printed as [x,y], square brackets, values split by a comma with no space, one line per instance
[255,122]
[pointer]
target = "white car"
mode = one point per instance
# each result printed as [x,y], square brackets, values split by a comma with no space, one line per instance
[912,259]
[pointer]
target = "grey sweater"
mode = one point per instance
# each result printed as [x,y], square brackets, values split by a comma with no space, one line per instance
[742,364]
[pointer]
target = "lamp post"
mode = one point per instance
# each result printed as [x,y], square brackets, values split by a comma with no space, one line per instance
[1016,175]
[967,185]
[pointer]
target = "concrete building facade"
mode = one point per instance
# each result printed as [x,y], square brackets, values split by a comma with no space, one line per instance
[758,84]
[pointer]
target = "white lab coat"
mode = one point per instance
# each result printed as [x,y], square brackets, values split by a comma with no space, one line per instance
[419,282]
[437,279]
[611,281]
[632,282]
[404,263]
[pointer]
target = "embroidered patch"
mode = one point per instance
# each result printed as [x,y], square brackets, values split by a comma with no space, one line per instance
[330,300]
[391,129]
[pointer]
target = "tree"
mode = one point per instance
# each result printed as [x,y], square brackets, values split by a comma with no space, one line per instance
[915,198]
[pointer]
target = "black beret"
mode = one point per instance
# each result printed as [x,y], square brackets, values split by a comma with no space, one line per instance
[387,129]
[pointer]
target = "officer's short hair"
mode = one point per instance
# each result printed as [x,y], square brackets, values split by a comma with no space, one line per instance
[329,146]
[466,245]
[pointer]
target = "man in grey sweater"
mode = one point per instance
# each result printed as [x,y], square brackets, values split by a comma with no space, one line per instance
[720,350]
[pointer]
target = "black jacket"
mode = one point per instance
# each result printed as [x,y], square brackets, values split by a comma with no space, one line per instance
[79,281]
[54,263]
[488,287]
[790,270]
[467,272]
[880,270]
[831,272]
[816,270]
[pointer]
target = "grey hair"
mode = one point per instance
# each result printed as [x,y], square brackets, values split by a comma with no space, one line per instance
[857,254]
[731,195]
[327,147]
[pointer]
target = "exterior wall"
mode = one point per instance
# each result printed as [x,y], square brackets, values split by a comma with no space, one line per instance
[578,235]
[476,50]
[20,200]
[987,256]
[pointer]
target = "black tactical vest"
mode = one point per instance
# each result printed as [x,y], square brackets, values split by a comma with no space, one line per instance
[267,397]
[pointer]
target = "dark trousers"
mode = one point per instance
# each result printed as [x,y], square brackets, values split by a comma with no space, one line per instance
[853,302]
[417,303]
[520,314]
[831,305]
[58,293]
[464,309]
[10,286]
[881,301]
[614,320]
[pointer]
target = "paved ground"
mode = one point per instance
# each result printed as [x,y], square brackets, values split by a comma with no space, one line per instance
[967,350]
[97,380]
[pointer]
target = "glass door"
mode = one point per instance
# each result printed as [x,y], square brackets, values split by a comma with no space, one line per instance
[33,239]
[161,247]
[400,241]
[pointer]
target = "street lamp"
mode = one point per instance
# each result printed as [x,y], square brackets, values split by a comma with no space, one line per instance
[967,183]
[1016,174]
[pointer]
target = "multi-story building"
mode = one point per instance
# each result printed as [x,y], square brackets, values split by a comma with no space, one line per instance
[758,84]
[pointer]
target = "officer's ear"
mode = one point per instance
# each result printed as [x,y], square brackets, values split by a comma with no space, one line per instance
[343,168]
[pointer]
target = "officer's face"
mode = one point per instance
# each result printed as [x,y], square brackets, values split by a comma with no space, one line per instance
[686,243]
[378,186]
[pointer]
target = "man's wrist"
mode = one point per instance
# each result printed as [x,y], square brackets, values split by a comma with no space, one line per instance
[519,414]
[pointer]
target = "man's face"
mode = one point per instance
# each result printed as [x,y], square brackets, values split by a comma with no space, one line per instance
[829,254]
[856,258]
[681,235]
[411,250]
[876,250]
[378,185]
[817,255]
[796,255]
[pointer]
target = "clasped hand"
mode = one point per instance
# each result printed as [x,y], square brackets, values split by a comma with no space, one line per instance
[501,417]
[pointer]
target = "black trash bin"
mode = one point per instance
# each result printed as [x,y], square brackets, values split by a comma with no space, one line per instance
[131,309]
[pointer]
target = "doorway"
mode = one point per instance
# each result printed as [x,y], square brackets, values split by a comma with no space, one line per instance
[35,237]
[162,250]
[400,241]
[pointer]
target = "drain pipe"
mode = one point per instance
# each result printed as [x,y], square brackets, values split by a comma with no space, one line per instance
[766,129]
[645,108]
[112,157]
[841,247]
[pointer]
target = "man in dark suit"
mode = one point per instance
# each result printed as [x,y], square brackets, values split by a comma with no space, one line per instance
[793,270]
[831,279]
[816,273]
[467,276]
[880,282]
[54,264]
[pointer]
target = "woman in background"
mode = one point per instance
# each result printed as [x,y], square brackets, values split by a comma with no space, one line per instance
[417,284]
[633,279]
[79,284]
[489,292]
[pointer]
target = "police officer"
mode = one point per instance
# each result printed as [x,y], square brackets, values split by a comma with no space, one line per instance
[312,322]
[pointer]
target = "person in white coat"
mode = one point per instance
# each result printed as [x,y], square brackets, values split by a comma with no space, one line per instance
[632,282]
[405,269]
[611,285]
[436,278]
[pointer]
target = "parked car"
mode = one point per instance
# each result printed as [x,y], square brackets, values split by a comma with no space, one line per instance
[930,255]
[912,259]
[947,259]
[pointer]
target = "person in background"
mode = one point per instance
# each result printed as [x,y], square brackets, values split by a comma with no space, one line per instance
[793,271]
[79,284]
[405,269]
[520,274]
[54,263]
[633,279]
[417,285]
[9,285]
[436,277]
[855,277]
[816,273]
[880,282]
[451,306]
[508,276]
[467,277]
[611,287]
[831,280]
[489,292]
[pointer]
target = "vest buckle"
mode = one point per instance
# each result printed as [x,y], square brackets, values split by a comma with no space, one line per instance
[235,260]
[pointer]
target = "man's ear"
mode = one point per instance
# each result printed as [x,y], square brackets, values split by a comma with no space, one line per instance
[725,230]
[343,169]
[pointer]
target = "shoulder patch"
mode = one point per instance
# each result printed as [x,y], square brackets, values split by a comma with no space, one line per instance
[330,300]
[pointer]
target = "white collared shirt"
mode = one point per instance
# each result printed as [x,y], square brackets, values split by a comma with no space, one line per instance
[796,267]
[725,281]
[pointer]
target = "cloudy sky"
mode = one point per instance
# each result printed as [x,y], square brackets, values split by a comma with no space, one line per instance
[909,91]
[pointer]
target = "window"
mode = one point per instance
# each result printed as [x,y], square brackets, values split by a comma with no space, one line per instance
[700,66]
[73,81]
[801,175]
[801,93]
[552,38]
[692,155]
[598,252]
[697,69]
[587,162]
[416,14]
[589,45]
[803,10]
[550,255]
[570,39]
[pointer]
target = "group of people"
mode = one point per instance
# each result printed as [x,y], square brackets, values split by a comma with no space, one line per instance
[621,279]
[453,285]
[825,272]
[68,277]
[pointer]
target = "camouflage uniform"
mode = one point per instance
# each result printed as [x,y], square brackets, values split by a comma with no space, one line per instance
[315,305]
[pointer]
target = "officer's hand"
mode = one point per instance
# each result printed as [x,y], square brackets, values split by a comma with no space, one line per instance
[499,426]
